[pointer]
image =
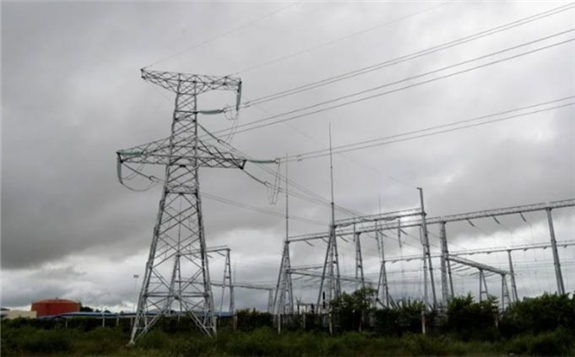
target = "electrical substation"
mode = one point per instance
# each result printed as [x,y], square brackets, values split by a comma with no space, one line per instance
[403,253]
[177,278]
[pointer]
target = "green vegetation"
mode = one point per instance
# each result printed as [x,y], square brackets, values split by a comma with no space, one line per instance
[538,326]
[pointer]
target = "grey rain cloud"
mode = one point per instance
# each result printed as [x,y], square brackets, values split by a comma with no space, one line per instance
[72,96]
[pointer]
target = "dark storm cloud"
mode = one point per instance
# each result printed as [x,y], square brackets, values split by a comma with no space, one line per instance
[72,96]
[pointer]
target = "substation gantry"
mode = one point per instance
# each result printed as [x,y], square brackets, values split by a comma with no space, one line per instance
[330,277]
[177,278]
[400,220]
[228,283]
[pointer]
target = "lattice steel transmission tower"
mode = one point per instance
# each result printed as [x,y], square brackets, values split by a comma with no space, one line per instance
[177,278]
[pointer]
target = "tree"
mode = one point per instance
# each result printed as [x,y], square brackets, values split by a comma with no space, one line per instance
[351,310]
[468,318]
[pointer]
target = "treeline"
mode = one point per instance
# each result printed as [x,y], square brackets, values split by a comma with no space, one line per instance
[539,326]
[464,317]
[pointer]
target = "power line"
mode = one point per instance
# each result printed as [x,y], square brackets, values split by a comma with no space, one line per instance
[264,122]
[223,34]
[447,127]
[258,209]
[408,57]
[330,42]
[306,194]
[446,130]
[357,162]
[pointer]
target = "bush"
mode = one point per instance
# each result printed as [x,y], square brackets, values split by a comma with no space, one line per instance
[421,345]
[559,342]
[351,310]
[101,341]
[405,318]
[259,342]
[29,340]
[155,339]
[544,313]
[249,320]
[469,319]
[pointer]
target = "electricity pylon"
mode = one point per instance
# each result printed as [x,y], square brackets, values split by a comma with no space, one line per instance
[177,278]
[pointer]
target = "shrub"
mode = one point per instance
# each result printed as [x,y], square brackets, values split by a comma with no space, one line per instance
[405,318]
[544,313]
[421,345]
[34,341]
[559,342]
[101,341]
[155,339]
[249,320]
[351,310]
[469,319]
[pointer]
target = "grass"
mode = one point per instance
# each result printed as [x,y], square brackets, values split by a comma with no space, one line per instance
[26,340]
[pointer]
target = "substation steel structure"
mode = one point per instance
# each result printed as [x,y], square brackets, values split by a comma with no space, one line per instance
[400,220]
[330,277]
[177,278]
[228,283]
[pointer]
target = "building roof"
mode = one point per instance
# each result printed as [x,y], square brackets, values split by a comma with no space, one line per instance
[55,301]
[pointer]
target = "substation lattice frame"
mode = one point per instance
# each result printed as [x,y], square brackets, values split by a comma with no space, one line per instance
[400,220]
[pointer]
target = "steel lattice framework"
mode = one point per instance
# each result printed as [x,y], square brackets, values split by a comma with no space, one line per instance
[177,278]
[416,218]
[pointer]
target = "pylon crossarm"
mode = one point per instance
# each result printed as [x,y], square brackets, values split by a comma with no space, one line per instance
[158,153]
[186,83]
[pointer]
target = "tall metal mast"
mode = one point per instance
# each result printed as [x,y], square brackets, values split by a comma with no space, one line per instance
[283,297]
[426,250]
[177,278]
[331,263]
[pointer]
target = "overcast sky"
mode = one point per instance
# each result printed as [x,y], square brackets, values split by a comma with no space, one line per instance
[72,95]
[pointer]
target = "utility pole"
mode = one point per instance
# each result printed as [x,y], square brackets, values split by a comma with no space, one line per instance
[504,292]
[382,285]
[482,285]
[556,262]
[512,277]
[227,282]
[331,262]
[446,279]
[426,250]
[176,278]
[358,260]
[425,276]
[283,297]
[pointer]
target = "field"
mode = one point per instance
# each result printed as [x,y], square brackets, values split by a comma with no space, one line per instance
[541,326]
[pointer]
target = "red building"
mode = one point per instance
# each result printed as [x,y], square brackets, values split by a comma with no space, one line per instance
[55,307]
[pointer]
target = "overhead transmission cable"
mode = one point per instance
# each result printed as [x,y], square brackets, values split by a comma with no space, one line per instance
[315,198]
[311,109]
[357,162]
[225,33]
[257,209]
[331,42]
[306,194]
[438,129]
[339,208]
[154,180]
[408,57]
